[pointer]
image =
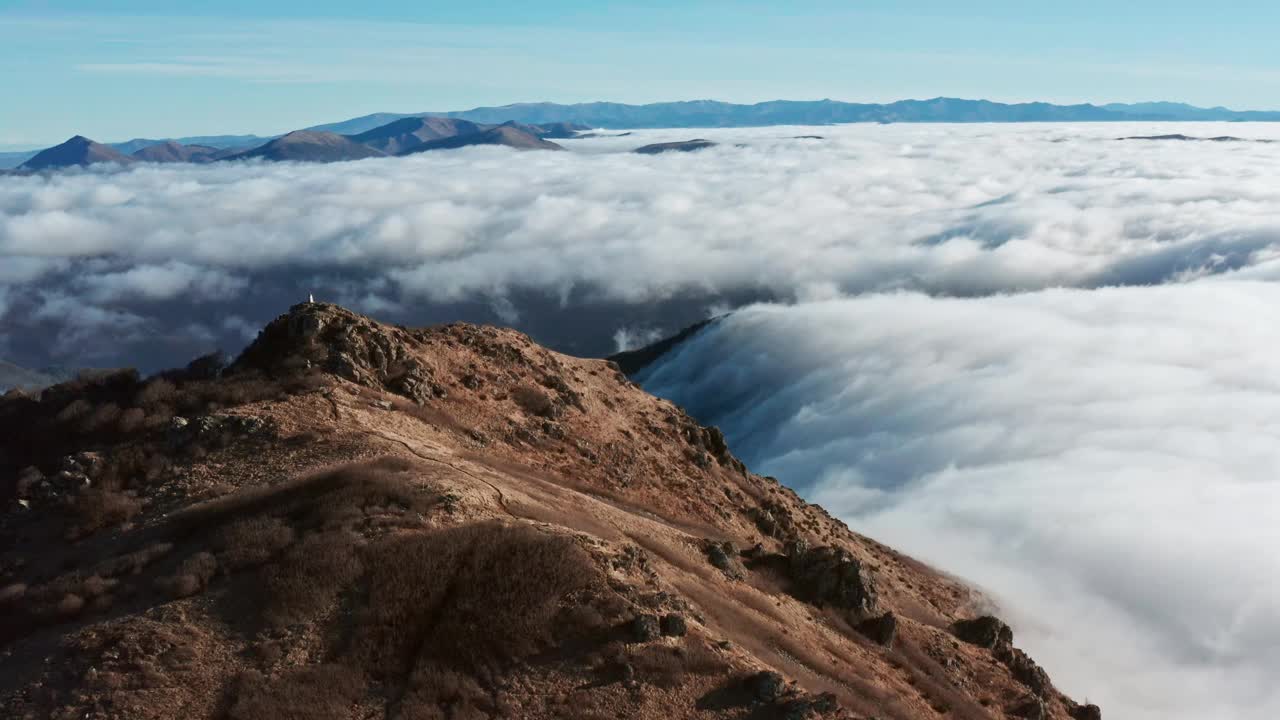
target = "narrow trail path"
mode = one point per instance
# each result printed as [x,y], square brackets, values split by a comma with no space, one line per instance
[502,498]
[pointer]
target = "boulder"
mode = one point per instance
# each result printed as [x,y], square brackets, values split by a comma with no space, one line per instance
[723,556]
[986,631]
[831,576]
[766,686]
[674,625]
[645,628]
[880,630]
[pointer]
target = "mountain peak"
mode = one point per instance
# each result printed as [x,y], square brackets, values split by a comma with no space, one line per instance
[76,151]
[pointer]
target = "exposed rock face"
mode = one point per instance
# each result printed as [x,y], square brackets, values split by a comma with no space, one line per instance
[361,520]
[832,576]
[767,686]
[723,556]
[328,337]
[993,634]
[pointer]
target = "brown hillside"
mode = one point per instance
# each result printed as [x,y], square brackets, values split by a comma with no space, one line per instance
[364,521]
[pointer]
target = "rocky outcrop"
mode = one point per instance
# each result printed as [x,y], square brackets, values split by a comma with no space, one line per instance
[330,338]
[993,634]
[831,576]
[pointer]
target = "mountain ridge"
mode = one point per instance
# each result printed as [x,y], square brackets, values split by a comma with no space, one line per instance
[356,519]
[715,113]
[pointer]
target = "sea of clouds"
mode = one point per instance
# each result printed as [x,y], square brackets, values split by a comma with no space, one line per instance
[1034,355]
[1102,463]
[152,264]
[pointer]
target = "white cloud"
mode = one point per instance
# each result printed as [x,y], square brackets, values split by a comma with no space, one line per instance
[1102,462]
[166,281]
[968,210]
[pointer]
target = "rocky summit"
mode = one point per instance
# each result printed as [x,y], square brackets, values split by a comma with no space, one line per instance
[356,520]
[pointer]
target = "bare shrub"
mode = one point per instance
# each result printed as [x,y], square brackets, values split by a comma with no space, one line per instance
[97,508]
[306,580]
[252,541]
[534,401]
[474,597]
[432,688]
[70,604]
[322,501]
[131,421]
[157,392]
[95,586]
[102,417]
[192,576]
[12,594]
[669,667]
[74,411]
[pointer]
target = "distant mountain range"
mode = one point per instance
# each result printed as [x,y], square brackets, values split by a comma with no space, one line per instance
[555,120]
[399,137]
[712,113]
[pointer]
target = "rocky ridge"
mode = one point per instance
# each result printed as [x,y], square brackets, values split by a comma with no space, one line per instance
[356,520]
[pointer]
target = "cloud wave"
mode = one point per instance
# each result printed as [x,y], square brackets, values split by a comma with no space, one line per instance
[1101,462]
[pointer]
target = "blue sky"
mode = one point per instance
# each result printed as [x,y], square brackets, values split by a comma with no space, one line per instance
[130,68]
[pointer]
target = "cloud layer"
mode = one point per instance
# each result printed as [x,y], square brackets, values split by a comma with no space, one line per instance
[954,210]
[1102,462]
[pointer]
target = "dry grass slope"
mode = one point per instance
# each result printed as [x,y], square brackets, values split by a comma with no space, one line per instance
[355,520]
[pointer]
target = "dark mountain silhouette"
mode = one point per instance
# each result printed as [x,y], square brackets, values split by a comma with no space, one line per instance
[173,152]
[405,134]
[557,130]
[507,135]
[310,146]
[1192,138]
[680,146]
[79,151]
